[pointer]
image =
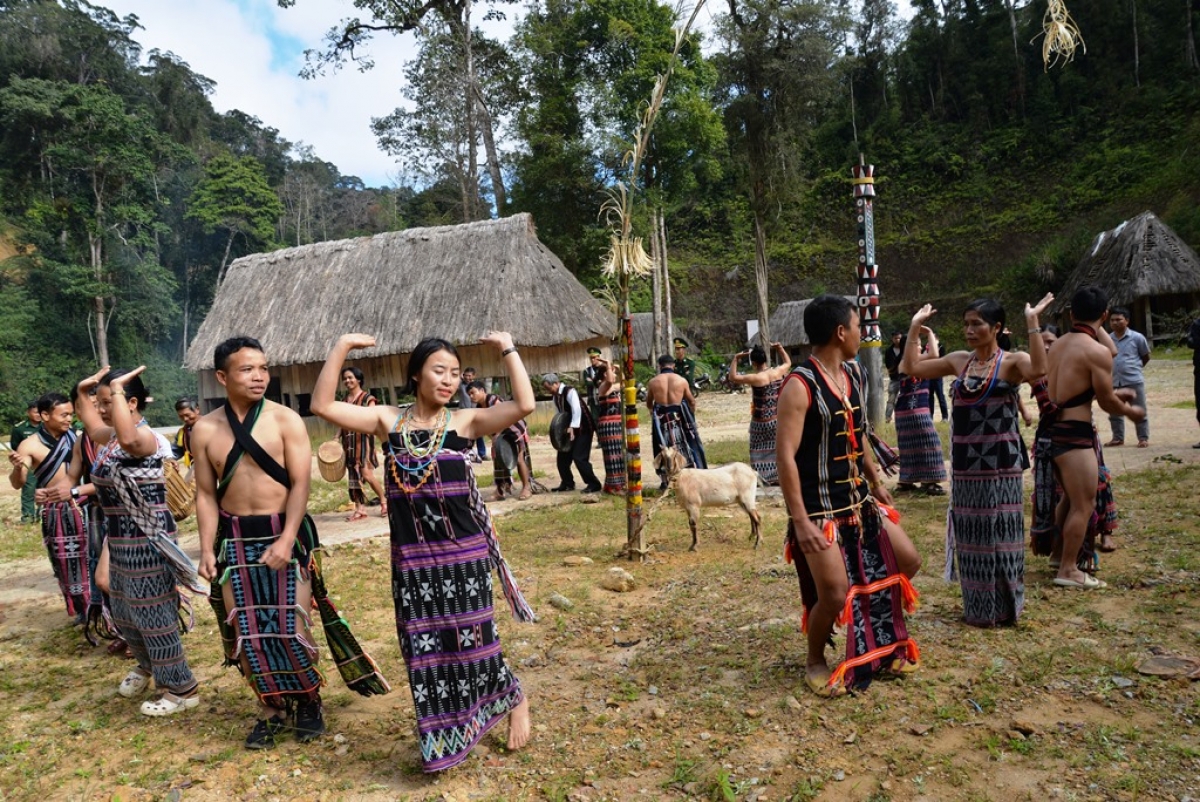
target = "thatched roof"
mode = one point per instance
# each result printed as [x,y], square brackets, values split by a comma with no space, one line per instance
[787,323]
[455,282]
[1140,258]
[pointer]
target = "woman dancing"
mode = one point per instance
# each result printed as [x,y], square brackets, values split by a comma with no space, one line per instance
[443,545]
[145,563]
[361,459]
[986,532]
[764,386]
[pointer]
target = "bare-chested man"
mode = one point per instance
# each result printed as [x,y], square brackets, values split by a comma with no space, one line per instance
[253,464]
[1080,369]
[673,417]
[47,457]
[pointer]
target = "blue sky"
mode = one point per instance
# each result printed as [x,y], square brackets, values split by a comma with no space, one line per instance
[253,50]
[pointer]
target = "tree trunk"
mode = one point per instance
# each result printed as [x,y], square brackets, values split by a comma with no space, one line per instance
[225,258]
[472,182]
[1191,61]
[1137,80]
[656,289]
[96,252]
[1012,21]
[668,319]
[760,280]
[493,158]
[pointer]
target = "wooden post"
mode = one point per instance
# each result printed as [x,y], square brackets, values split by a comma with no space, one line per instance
[870,354]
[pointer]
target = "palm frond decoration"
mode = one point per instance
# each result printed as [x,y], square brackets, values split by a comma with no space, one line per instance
[1063,37]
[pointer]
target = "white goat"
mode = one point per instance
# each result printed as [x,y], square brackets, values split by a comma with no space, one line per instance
[714,487]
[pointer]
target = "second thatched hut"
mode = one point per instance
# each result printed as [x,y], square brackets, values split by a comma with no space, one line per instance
[1144,266]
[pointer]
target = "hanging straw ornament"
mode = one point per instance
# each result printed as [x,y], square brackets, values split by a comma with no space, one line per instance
[1062,35]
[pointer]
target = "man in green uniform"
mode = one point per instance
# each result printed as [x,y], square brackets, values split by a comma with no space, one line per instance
[684,366]
[27,428]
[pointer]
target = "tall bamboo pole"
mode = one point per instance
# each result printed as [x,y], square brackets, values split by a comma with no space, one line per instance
[870,354]
[627,258]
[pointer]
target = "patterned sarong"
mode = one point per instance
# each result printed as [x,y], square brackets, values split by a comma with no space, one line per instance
[443,551]
[1053,438]
[877,599]
[267,626]
[985,536]
[921,457]
[675,426]
[64,532]
[610,427]
[360,451]
[145,597]
[764,414]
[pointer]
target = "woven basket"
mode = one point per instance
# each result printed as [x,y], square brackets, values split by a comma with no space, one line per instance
[331,460]
[181,493]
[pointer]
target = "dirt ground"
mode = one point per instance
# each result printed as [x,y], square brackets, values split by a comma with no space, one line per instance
[684,688]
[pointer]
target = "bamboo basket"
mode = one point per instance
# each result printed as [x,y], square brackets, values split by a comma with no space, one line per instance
[331,460]
[181,491]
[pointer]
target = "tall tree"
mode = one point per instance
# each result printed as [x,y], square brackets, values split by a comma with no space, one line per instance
[99,160]
[776,77]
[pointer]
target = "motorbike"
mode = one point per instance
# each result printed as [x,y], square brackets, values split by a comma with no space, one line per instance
[702,382]
[725,384]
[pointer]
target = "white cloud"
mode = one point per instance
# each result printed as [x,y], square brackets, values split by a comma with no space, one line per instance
[253,50]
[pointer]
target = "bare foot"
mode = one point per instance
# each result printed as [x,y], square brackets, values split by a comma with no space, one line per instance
[1107,544]
[518,725]
[817,679]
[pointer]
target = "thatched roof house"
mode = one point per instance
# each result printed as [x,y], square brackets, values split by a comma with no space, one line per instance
[454,282]
[787,326]
[1144,266]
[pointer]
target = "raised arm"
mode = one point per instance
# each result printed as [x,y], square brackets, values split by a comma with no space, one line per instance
[366,420]
[490,420]
[1038,365]
[913,365]
[785,361]
[85,407]
[135,440]
[1104,339]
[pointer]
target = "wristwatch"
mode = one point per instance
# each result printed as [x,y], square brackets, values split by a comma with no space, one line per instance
[75,494]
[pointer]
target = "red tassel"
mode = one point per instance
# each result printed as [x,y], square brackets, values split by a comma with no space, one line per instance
[804,622]
[830,531]
[787,551]
[908,594]
[892,513]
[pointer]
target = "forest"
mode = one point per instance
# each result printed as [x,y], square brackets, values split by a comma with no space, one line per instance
[124,196]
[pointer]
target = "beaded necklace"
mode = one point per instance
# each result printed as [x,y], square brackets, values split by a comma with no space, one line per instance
[989,371]
[425,456]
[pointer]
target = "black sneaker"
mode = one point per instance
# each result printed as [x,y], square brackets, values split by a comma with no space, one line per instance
[310,723]
[264,732]
[563,489]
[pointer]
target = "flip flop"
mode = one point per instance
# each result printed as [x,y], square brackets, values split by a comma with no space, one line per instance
[1089,583]
[356,516]
[823,689]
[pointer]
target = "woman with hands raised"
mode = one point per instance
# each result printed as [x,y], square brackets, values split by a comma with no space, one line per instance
[985,537]
[146,565]
[443,544]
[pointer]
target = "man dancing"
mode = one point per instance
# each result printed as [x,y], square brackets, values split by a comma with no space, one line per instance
[1080,369]
[253,464]
[853,560]
[673,417]
[48,455]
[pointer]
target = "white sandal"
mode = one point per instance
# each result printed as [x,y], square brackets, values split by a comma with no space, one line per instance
[168,704]
[134,683]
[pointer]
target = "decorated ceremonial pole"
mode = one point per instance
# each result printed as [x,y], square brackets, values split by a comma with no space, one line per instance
[626,259]
[870,354]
